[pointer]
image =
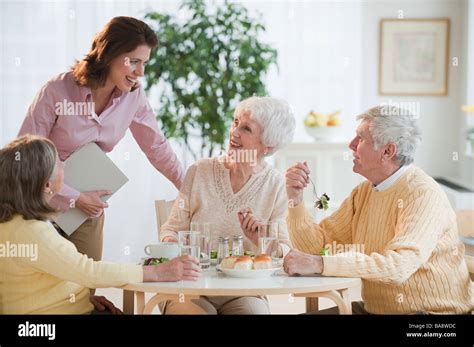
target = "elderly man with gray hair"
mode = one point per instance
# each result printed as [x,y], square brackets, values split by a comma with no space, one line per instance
[412,259]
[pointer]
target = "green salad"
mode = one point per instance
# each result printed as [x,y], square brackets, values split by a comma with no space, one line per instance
[155,261]
[322,202]
[214,254]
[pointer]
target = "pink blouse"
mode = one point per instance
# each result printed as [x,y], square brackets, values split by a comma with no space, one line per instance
[62,112]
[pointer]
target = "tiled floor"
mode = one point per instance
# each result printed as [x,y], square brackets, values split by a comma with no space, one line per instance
[279,304]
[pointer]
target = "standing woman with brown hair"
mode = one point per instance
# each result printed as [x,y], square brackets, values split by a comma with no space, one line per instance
[97,101]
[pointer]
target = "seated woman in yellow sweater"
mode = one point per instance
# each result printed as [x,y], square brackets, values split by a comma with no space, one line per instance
[40,271]
[396,231]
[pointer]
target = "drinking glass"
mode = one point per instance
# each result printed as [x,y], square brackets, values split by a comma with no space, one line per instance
[269,241]
[204,243]
[189,243]
[205,251]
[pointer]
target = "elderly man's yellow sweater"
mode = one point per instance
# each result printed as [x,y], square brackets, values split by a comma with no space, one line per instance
[405,246]
[42,272]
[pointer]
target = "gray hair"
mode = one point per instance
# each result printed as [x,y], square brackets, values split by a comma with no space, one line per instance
[274,116]
[390,124]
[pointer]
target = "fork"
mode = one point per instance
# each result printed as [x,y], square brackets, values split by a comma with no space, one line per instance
[314,190]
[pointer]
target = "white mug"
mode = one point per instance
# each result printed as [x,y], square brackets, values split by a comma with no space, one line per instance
[168,250]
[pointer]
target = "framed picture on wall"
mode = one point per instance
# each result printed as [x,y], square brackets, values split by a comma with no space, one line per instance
[414,56]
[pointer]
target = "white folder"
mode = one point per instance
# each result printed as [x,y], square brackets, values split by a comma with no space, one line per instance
[88,169]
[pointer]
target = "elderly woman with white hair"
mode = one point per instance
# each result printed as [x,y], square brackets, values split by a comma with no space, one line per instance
[234,192]
[397,229]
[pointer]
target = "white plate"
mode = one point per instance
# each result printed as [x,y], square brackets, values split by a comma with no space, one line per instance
[249,273]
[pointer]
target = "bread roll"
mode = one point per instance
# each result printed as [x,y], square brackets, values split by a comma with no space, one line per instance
[262,261]
[228,262]
[243,262]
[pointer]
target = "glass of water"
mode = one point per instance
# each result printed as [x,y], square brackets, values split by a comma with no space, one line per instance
[269,241]
[205,251]
[267,235]
[204,243]
[189,243]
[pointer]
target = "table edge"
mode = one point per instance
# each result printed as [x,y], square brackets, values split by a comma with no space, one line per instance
[147,288]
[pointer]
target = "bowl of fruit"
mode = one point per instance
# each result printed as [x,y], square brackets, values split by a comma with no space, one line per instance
[322,127]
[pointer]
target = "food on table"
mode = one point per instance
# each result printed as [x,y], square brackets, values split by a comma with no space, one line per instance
[228,262]
[262,261]
[250,254]
[244,262]
[155,261]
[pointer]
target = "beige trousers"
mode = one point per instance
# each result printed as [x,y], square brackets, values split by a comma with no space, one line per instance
[89,237]
[218,305]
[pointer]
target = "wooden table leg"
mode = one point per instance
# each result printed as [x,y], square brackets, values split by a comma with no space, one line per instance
[140,302]
[312,304]
[340,297]
[347,299]
[128,302]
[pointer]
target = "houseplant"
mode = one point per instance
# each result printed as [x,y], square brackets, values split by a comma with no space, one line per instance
[470,138]
[203,66]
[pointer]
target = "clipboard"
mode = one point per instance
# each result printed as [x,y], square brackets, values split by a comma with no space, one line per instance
[88,169]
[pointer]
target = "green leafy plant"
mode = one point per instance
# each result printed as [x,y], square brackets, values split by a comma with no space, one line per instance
[470,138]
[470,134]
[203,66]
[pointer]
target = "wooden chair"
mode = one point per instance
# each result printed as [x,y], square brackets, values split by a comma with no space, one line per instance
[163,210]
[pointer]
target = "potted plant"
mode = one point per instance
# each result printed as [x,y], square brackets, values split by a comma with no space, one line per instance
[203,66]
[470,138]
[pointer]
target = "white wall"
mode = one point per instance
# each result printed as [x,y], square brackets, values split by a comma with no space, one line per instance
[467,162]
[440,116]
[319,55]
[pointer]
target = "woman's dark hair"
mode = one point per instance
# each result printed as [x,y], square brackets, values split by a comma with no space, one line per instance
[26,165]
[120,35]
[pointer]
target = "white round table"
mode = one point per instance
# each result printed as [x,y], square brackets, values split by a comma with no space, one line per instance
[214,283]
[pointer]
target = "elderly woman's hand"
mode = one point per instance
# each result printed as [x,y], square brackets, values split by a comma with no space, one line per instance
[297,179]
[299,263]
[170,239]
[249,224]
[184,268]
[102,304]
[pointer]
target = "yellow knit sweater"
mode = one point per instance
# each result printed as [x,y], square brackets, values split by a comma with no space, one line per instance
[405,246]
[41,272]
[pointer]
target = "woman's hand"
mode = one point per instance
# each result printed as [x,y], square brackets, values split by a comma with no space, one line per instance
[170,239]
[91,204]
[184,268]
[101,304]
[249,224]
[297,179]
